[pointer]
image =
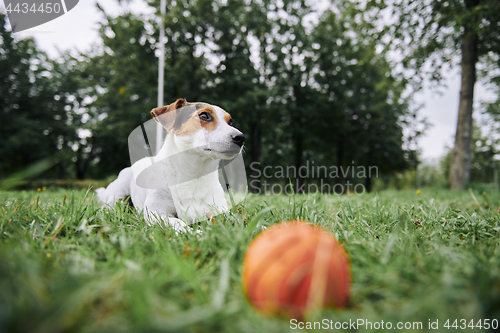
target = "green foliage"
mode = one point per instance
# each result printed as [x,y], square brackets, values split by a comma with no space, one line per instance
[33,121]
[429,176]
[68,264]
[365,100]
[483,162]
[430,36]
[121,78]
[42,110]
[301,90]
[432,32]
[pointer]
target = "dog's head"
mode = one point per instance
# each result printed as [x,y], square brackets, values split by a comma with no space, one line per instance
[201,127]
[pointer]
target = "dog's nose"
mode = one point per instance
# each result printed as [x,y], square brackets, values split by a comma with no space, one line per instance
[239,139]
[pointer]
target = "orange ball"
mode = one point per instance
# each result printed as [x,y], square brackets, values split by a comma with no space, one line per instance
[294,267]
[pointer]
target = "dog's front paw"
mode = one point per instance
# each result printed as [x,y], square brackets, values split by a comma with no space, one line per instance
[180,226]
[177,224]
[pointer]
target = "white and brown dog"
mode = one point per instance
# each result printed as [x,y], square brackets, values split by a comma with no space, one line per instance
[199,136]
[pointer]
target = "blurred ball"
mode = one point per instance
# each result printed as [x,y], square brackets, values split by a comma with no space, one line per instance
[294,267]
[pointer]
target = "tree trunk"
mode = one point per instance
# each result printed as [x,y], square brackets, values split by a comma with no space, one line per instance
[460,162]
[340,157]
[299,180]
[368,184]
[254,149]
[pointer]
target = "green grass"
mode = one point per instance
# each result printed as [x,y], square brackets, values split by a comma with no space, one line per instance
[66,264]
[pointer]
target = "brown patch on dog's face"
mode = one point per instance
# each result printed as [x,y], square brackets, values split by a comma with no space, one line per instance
[203,116]
[228,119]
[208,118]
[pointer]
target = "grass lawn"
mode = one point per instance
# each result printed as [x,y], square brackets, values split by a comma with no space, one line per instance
[68,265]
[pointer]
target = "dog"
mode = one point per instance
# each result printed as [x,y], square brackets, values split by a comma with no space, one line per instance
[199,136]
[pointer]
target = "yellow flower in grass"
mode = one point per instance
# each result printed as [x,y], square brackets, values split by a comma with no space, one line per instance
[39,190]
[44,188]
[418,191]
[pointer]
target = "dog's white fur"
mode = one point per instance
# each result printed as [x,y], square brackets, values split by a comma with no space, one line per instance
[188,169]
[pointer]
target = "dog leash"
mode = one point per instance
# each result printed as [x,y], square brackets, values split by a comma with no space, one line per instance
[227,182]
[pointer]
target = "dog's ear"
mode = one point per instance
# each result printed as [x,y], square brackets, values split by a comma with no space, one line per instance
[165,115]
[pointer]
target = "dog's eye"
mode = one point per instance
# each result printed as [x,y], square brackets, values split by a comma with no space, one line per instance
[205,116]
[230,122]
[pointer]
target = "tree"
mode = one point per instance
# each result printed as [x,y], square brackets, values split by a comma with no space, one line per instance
[483,163]
[359,96]
[220,32]
[122,77]
[484,157]
[286,52]
[299,90]
[73,87]
[428,34]
[33,118]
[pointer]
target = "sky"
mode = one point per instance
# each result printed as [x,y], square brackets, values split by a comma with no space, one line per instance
[77,30]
